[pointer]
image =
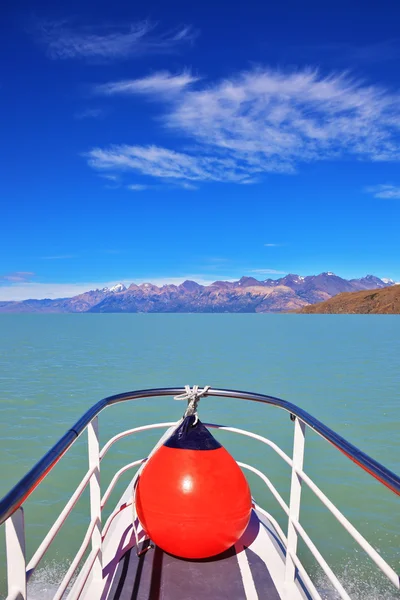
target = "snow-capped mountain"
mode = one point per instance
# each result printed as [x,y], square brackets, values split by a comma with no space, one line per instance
[288,293]
[118,287]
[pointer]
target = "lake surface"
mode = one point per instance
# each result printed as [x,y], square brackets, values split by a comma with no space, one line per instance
[345,370]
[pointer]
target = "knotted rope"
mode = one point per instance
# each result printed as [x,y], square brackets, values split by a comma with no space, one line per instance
[192,396]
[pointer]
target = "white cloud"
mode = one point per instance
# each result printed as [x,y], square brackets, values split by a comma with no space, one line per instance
[140,187]
[291,117]
[17,277]
[261,121]
[271,245]
[110,177]
[268,272]
[166,164]
[25,291]
[59,257]
[137,187]
[386,191]
[161,82]
[64,41]
[187,186]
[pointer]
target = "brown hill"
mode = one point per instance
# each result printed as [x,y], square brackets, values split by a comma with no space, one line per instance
[381,301]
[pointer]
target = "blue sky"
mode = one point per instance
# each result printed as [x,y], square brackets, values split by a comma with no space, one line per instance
[170,140]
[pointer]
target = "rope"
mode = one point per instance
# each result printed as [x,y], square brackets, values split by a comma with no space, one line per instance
[192,396]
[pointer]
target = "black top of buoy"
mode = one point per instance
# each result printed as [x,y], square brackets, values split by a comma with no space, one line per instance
[192,437]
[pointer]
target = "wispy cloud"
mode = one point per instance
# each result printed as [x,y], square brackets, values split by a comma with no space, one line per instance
[90,113]
[110,176]
[140,187]
[66,41]
[59,257]
[271,245]
[386,191]
[258,122]
[137,187]
[161,82]
[16,277]
[268,272]
[167,164]
[187,186]
[25,291]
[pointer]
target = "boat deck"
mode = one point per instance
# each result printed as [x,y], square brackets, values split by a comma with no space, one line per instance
[258,567]
[156,574]
[253,568]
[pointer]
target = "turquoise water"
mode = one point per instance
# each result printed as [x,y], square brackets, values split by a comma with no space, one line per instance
[345,370]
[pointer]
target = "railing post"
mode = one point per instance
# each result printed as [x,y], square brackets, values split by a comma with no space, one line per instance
[295,496]
[95,496]
[15,549]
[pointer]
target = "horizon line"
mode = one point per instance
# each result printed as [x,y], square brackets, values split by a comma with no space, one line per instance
[29,290]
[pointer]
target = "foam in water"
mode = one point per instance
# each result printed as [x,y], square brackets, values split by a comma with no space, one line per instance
[46,580]
[358,584]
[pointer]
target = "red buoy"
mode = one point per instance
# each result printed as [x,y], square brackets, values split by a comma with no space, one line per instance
[192,499]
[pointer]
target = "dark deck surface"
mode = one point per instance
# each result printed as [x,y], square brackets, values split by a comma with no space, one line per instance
[157,575]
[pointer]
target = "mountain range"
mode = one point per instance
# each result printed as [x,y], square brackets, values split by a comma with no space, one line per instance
[248,295]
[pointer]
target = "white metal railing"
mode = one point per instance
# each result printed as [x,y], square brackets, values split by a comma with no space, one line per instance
[59,522]
[293,510]
[19,573]
[15,548]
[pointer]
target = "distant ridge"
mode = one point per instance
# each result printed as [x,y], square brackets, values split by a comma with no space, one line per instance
[247,295]
[379,301]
